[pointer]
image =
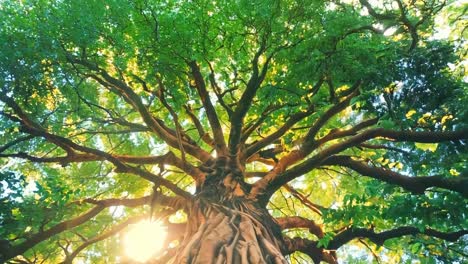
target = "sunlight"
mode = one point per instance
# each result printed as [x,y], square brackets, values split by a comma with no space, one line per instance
[144,239]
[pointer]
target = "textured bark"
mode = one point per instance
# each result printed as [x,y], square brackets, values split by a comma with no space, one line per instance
[225,227]
[218,234]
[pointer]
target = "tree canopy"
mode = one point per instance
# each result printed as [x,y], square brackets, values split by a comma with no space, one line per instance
[321,130]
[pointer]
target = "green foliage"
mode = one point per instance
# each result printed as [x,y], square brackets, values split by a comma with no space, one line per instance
[145,44]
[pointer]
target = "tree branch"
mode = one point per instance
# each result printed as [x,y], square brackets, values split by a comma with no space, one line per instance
[237,118]
[379,238]
[304,200]
[169,158]
[34,129]
[209,108]
[104,235]
[14,142]
[309,248]
[121,89]
[414,184]
[217,90]
[173,202]
[273,181]
[335,109]
[201,131]
[306,147]
[300,222]
[41,236]
[254,148]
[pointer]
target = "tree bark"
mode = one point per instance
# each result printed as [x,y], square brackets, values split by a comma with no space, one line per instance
[218,234]
[225,227]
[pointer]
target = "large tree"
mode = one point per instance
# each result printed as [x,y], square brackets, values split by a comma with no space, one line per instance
[257,131]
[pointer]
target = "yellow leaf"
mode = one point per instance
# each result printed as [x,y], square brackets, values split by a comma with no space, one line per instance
[342,88]
[15,211]
[427,146]
[421,121]
[399,165]
[445,118]
[410,113]
[454,172]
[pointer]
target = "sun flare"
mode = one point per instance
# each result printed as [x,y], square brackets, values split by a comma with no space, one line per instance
[144,239]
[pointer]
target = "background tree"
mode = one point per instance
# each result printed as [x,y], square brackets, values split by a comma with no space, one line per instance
[258,131]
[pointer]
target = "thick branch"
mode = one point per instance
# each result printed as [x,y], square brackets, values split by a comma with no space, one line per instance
[210,110]
[121,89]
[307,146]
[379,238]
[411,136]
[173,202]
[309,248]
[254,148]
[335,109]
[201,131]
[169,158]
[61,227]
[339,133]
[34,129]
[270,183]
[413,184]
[237,118]
[300,222]
[374,13]
[164,200]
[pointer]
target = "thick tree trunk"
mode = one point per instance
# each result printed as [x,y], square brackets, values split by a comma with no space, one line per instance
[219,234]
[225,227]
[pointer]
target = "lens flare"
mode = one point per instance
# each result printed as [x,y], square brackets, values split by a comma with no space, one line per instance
[144,239]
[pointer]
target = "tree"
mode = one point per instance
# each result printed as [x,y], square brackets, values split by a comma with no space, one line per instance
[257,131]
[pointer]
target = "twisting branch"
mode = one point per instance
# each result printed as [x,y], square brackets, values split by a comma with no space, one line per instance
[335,109]
[403,19]
[311,249]
[275,181]
[306,148]
[161,95]
[300,222]
[205,136]
[254,148]
[34,129]
[111,232]
[31,241]
[29,125]
[379,238]
[169,158]
[122,89]
[209,108]
[56,229]
[256,79]
[304,200]
[14,142]
[414,184]
[339,133]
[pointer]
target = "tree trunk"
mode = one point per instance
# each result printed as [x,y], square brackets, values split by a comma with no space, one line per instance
[218,234]
[224,227]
